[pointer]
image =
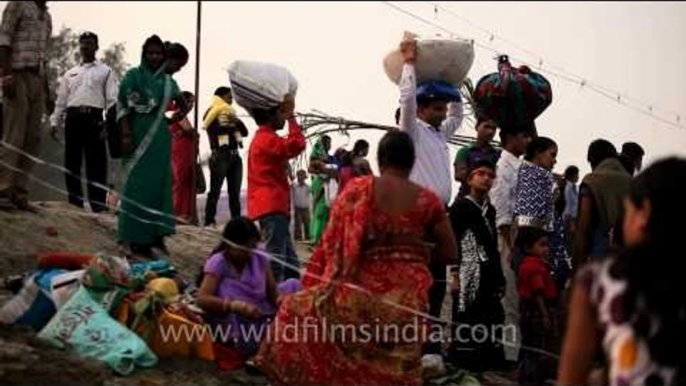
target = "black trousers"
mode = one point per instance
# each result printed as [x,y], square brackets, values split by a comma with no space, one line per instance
[436,298]
[224,164]
[84,136]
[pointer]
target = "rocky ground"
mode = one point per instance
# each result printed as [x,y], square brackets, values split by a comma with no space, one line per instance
[25,360]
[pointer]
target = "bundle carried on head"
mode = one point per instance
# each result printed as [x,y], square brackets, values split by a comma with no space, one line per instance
[512,97]
[259,85]
[446,60]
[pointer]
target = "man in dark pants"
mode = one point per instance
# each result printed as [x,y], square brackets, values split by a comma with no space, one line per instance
[85,93]
[225,133]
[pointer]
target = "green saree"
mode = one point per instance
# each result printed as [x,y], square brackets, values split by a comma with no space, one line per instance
[320,211]
[146,213]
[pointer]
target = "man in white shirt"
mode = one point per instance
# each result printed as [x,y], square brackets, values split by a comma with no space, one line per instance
[85,93]
[430,114]
[514,142]
[302,201]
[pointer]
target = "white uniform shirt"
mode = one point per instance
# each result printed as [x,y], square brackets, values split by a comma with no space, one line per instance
[86,85]
[432,167]
[504,188]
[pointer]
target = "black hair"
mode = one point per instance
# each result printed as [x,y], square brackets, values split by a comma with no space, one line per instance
[481,118]
[359,146]
[187,94]
[240,230]
[571,171]
[177,51]
[153,40]
[264,116]
[633,150]
[89,35]
[600,150]
[345,157]
[396,149]
[510,131]
[481,163]
[528,236]
[537,146]
[222,90]
[628,163]
[655,284]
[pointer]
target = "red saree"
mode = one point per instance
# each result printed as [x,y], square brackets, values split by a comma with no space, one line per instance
[183,170]
[367,259]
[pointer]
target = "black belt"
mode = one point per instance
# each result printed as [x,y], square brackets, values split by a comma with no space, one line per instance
[84,110]
[226,149]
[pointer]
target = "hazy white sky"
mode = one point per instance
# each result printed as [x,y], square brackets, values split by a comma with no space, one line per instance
[336,50]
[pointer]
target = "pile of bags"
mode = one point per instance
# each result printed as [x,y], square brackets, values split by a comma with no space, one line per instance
[73,300]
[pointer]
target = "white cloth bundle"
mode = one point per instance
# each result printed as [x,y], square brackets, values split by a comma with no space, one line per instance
[448,60]
[260,85]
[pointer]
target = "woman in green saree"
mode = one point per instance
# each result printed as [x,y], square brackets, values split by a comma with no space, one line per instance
[146,214]
[319,159]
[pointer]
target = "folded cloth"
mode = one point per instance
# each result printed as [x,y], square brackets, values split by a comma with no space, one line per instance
[65,260]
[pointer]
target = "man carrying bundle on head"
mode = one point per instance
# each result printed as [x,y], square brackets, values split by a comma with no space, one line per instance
[430,113]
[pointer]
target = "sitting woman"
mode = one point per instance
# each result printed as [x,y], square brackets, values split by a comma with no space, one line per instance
[238,289]
[369,273]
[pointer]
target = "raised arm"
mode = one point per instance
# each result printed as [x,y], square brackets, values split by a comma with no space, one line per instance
[408,88]
[292,145]
[454,119]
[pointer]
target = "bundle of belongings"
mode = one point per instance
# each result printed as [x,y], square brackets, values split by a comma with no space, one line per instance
[447,60]
[259,85]
[512,97]
[105,308]
[441,67]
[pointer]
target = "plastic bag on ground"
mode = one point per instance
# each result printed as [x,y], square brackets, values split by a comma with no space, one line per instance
[260,85]
[33,305]
[84,326]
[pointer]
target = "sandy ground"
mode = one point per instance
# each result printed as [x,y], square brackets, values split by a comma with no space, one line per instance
[25,360]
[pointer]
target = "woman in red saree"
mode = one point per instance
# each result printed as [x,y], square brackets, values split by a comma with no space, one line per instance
[368,275]
[184,154]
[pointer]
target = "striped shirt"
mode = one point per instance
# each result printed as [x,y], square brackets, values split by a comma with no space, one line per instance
[26,29]
[432,167]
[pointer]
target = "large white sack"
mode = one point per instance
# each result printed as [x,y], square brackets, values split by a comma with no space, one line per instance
[260,85]
[437,59]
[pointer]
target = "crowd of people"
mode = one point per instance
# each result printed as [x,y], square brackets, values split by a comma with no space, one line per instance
[519,247]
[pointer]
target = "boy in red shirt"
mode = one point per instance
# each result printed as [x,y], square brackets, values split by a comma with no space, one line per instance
[269,192]
[538,296]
